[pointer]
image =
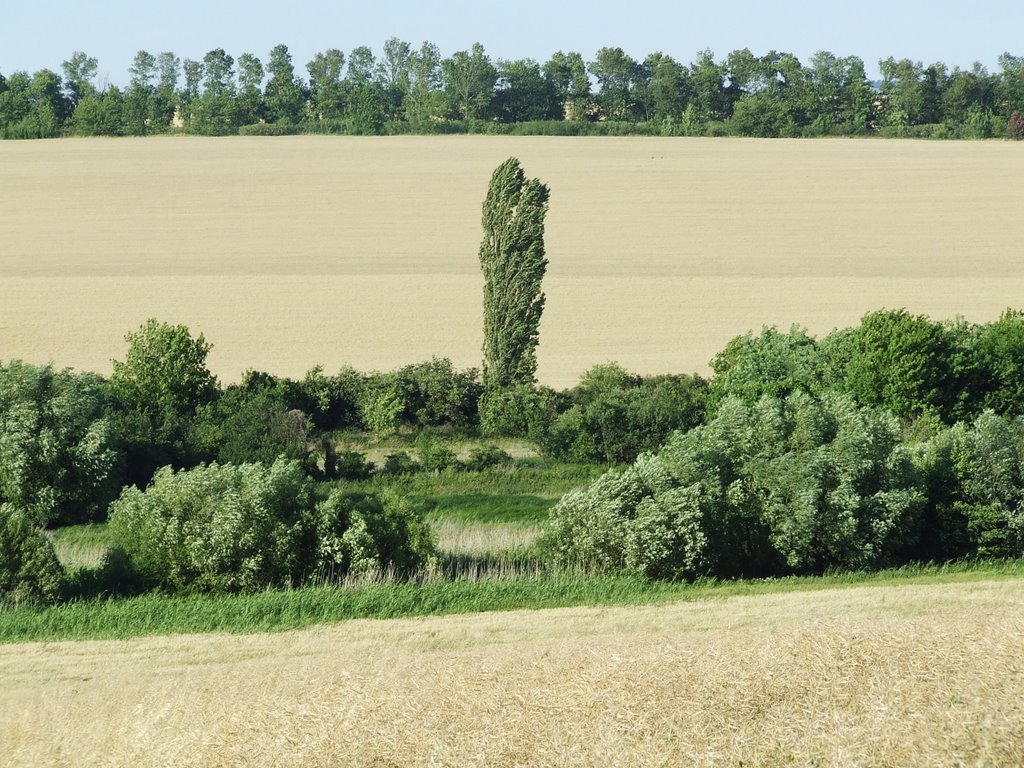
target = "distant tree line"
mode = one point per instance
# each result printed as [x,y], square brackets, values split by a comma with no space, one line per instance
[417,90]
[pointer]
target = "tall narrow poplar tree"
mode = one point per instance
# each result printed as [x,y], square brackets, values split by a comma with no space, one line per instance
[513,263]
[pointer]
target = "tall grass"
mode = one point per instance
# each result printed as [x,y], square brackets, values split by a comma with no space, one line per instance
[80,546]
[271,611]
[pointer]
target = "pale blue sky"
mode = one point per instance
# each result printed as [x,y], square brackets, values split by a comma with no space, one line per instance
[33,36]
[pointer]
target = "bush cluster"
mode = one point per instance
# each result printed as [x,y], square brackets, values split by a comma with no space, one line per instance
[905,363]
[801,484]
[243,528]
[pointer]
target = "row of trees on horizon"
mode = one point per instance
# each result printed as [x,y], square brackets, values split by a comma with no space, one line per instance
[407,89]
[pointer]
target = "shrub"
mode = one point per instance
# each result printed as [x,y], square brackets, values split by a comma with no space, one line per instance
[58,461]
[381,407]
[437,395]
[331,401]
[267,129]
[797,485]
[487,456]
[898,361]
[988,459]
[248,425]
[772,363]
[617,416]
[430,394]
[371,535]
[352,465]
[434,455]
[29,569]
[1000,359]
[1015,127]
[518,411]
[400,463]
[219,528]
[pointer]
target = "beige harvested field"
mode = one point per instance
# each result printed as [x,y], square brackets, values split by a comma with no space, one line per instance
[869,676]
[288,252]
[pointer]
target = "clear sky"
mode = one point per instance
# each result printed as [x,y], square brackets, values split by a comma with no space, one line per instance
[38,35]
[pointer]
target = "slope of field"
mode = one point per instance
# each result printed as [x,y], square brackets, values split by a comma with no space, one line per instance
[882,676]
[290,251]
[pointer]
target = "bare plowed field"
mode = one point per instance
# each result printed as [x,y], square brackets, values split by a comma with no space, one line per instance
[288,252]
[869,676]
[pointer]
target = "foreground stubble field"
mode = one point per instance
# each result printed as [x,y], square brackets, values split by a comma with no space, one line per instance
[922,675]
[292,251]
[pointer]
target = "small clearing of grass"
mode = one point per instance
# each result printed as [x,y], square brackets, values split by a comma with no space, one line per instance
[485,508]
[80,546]
[473,538]
[275,611]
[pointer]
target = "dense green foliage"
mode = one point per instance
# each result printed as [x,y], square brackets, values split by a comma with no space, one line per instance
[228,528]
[897,440]
[513,264]
[797,485]
[418,90]
[801,484]
[29,569]
[615,415]
[58,462]
[155,393]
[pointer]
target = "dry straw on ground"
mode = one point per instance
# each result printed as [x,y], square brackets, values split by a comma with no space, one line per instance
[871,676]
[291,251]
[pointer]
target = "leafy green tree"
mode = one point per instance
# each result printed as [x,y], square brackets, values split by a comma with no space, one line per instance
[325,84]
[29,569]
[362,65]
[841,99]
[366,105]
[156,390]
[425,79]
[513,263]
[215,113]
[987,457]
[911,92]
[666,91]
[772,363]
[32,107]
[394,73]
[99,114]
[1010,84]
[469,79]
[79,72]
[567,72]
[965,93]
[250,89]
[137,110]
[165,95]
[617,75]
[898,361]
[708,101]
[58,462]
[523,93]
[284,90]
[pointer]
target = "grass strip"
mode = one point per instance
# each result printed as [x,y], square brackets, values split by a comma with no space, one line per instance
[275,611]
